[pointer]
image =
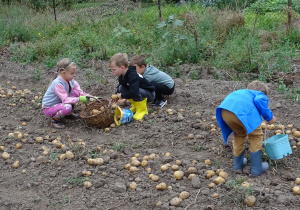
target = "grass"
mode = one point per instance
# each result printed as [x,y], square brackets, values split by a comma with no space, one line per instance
[76,181]
[225,39]
[237,192]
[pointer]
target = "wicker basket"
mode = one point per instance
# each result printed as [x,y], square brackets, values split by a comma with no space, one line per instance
[101,120]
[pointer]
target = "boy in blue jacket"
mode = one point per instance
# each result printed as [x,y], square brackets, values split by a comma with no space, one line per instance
[241,112]
[164,84]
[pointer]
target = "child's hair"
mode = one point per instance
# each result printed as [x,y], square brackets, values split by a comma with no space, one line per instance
[138,60]
[120,59]
[63,64]
[259,86]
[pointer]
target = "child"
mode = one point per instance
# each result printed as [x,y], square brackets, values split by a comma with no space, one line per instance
[240,113]
[132,86]
[164,84]
[63,93]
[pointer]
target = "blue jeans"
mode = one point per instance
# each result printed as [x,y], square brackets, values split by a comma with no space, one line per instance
[141,94]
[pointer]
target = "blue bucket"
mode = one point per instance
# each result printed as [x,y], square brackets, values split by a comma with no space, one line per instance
[123,116]
[278,146]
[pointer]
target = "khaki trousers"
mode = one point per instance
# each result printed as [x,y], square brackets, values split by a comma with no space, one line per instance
[255,138]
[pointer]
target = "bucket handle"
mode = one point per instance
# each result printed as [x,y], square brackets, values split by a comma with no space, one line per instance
[265,133]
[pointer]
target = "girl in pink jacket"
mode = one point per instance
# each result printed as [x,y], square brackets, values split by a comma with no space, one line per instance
[63,93]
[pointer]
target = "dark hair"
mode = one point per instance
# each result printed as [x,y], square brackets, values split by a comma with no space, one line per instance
[138,60]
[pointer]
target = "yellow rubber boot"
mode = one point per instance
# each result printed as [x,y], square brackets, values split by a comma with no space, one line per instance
[141,109]
[132,108]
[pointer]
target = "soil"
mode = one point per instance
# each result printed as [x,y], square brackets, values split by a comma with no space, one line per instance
[44,181]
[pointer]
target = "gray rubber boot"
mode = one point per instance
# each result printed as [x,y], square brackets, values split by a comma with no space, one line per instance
[257,167]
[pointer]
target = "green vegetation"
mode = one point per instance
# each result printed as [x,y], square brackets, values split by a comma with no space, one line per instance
[76,181]
[250,42]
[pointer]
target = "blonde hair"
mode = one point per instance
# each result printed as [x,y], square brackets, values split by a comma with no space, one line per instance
[259,86]
[138,60]
[120,59]
[63,64]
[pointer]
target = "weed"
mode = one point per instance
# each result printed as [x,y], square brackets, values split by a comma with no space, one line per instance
[78,150]
[76,181]
[53,156]
[37,200]
[151,121]
[281,86]
[119,146]
[237,193]
[198,148]
[37,74]
[95,154]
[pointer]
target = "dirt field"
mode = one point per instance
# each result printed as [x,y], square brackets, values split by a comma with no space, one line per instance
[43,181]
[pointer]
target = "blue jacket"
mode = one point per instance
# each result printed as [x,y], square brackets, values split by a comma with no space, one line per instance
[248,106]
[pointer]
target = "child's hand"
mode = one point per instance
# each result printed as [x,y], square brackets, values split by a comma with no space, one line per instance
[84,99]
[274,120]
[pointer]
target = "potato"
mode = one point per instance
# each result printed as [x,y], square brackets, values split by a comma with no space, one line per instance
[215,195]
[87,184]
[175,201]
[39,139]
[133,169]
[191,136]
[107,130]
[164,167]
[5,155]
[211,185]
[246,184]
[296,190]
[113,106]
[155,178]
[132,185]
[289,126]
[271,127]
[297,134]
[219,180]
[161,186]
[144,163]
[168,154]
[20,135]
[138,179]
[288,131]
[136,163]
[16,164]
[69,155]
[250,200]
[190,177]
[175,167]
[114,97]
[2,147]
[178,162]
[223,174]
[297,181]
[127,166]
[278,132]
[98,161]
[146,157]
[158,204]
[192,170]
[263,125]
[213,118]
[62,156]
[184,195]
[90,161]
[178,175]
[207,162]
[210,173]
[18,146]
